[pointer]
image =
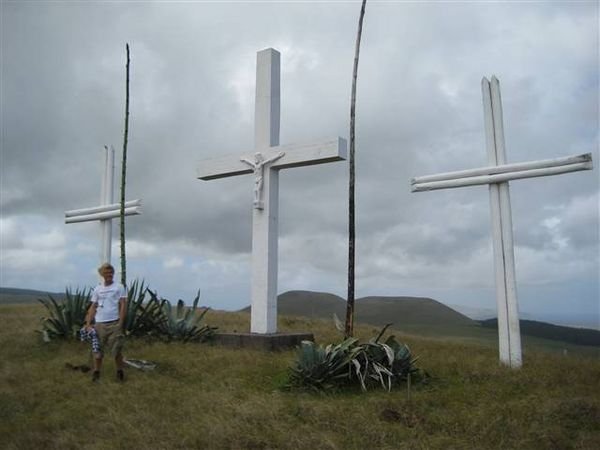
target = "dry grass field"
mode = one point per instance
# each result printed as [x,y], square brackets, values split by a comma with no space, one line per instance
[202,396]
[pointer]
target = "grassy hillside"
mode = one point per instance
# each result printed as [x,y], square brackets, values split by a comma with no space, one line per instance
[203,396]
[580,336]
[12,296]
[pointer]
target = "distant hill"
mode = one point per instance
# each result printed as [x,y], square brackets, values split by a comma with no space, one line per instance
[19,296]
[315,305]
[372,310]
[408,310]
[420,315]
[475,313]
[17,291]
[579,336]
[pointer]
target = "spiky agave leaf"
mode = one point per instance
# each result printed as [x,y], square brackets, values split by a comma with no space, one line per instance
[323,368]
[136,295]
[335,365]
[75,309]
[152,316]
[183,323]
[338,323]
[65,317]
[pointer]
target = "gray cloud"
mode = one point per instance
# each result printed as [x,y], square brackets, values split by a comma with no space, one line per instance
[419,112]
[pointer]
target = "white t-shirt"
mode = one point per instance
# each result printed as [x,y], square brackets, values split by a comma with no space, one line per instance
[107,298]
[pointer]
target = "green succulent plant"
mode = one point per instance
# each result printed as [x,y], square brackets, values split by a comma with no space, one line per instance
[323,368]
[65,317]
[183,323]
[350,362]
[142,318]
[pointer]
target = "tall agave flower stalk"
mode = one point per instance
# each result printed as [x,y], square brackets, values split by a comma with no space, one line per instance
[124,173]
[349,331]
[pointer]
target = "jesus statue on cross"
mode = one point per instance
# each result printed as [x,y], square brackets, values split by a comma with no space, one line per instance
[258,166]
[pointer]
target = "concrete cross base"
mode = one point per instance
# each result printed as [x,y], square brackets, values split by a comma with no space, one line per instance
[268,342]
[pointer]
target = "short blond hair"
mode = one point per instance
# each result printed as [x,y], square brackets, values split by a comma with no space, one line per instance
[105,266]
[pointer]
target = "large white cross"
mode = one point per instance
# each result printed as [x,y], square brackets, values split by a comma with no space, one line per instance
[497,175]
[266,161]
[107,209]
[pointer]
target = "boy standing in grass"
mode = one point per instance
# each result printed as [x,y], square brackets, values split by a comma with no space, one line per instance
[107,311]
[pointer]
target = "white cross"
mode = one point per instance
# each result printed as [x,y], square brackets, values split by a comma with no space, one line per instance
[107,209]
[497,175]
[266,161]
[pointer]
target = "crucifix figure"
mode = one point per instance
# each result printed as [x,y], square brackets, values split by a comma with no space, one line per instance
[496,175]
[258,166]
[107,209]
[266,161]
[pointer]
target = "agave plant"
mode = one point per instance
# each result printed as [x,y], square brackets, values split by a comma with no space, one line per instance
[384,363]
[404,362]
[65,317]
[323,368]
[348,363]
[183,323]
[142,318]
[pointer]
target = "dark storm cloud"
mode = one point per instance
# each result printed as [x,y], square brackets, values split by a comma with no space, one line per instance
[419,112]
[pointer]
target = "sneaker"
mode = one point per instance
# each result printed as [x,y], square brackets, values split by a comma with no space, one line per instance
[95,376]
[120,375]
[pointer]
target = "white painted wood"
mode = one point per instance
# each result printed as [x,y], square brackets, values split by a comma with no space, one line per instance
[265,223]
[107,209]
[104,215]
[506,297]
[505,172]
[266,207]
[267,104]
[296,155]
[496,175]
[99,209]
[107,197]
[496,219]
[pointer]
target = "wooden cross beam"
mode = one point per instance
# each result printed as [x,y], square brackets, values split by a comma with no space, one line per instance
[265,161]
[501,173]
[496,175]
[107,209]
[295,155]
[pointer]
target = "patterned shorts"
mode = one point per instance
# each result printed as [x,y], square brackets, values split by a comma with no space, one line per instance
[90,335]
[111,338]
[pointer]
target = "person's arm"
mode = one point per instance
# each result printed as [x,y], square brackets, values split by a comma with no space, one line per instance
[91,314]
[122,311]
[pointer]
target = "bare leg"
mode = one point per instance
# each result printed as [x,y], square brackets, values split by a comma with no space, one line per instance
[97,367]
[97,362]
[119,363]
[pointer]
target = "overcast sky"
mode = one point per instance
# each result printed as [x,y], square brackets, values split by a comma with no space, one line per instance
[419,111]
